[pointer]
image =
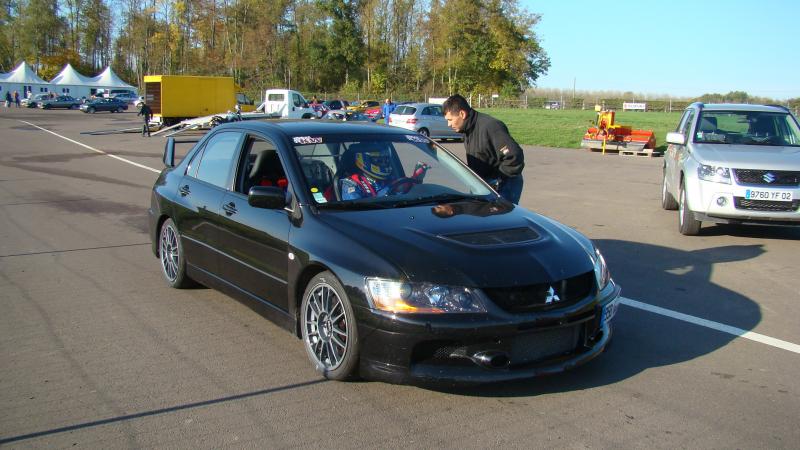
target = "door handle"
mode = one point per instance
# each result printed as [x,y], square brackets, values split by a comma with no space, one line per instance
[184,190]
[230,208]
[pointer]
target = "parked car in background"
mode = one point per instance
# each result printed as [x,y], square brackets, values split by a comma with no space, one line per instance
[335,104]
[374,112]
[362,106]
[424,118]
[62,101]
[128,97]
[433,278]
[285,104]
[346,116]
[731,163]
[104,104]
[34,100]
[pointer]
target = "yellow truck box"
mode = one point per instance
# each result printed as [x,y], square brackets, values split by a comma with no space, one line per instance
[177,97]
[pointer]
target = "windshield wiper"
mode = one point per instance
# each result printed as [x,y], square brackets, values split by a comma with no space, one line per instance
[439,198]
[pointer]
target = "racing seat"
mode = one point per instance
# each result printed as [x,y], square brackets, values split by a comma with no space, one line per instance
[346,166]
[266,171]
[318,174]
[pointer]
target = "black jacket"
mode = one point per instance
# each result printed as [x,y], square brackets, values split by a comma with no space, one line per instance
[146,113]
[491,151]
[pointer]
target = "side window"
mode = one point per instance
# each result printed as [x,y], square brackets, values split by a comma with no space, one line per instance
[260,166]
[436,111]
[297,100]
[682,122]
[217,160]
[426,111]
[687,124]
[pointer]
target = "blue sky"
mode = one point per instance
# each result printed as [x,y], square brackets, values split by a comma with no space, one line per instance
[680,47]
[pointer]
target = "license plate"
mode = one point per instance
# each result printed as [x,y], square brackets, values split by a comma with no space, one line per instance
[609,311]
[775,196]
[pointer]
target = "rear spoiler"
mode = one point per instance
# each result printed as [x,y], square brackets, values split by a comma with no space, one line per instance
[169,150]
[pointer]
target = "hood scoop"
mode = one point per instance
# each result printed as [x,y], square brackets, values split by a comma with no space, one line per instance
[495,237]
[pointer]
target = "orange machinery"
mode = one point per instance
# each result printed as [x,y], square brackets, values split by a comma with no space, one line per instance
[606,135]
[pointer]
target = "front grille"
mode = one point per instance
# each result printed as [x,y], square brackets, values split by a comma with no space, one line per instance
[535,297]
[757,177]
[533,347]
[765,205]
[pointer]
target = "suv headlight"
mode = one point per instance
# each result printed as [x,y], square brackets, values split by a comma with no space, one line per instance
[717,174]
[601,270]
[404,297]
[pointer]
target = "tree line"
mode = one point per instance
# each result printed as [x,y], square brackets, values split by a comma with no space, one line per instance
[436,47]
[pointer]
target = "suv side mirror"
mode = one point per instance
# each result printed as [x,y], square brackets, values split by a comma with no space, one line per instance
[676,138]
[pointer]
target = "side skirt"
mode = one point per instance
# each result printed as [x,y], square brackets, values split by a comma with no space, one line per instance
[262,307]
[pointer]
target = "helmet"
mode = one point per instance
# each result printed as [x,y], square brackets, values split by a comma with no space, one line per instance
[376,164]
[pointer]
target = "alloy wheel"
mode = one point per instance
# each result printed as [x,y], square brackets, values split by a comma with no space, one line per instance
[326,326]
[169,253]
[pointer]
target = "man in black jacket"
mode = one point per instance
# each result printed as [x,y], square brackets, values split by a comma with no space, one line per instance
[146,114]
[491,151]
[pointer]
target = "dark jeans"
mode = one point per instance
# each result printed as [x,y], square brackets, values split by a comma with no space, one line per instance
[511,189]
[145,129]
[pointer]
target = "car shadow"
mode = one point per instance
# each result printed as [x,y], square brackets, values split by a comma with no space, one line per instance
[752,231]
[669,278]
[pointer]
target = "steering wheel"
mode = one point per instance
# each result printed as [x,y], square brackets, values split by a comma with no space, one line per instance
[402,185]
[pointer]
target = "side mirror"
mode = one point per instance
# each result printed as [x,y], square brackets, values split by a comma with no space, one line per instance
[267,197]
[676,138]
[169,153]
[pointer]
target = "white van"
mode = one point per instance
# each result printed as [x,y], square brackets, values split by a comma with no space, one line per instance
[285,104]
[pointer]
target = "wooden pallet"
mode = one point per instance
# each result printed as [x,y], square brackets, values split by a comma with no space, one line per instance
[646,152]
[600,150]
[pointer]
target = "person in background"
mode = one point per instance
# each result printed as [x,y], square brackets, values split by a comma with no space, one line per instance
[491,151]
[8,99]
[16,98]
[147,114]
[387,108]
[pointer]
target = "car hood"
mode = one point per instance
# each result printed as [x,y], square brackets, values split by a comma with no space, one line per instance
[479,246]
[761,157]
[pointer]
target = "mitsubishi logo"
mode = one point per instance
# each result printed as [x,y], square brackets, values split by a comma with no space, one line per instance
[552,297]
[769,177]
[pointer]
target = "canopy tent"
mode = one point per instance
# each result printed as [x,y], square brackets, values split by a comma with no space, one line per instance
[109,80]
[24,80]
[70,82]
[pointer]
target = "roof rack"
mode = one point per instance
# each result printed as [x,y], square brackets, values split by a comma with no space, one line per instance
[780,107]
[699,105]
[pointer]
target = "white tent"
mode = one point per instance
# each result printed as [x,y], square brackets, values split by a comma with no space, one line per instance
[70,82]
[24,80]
[108,80]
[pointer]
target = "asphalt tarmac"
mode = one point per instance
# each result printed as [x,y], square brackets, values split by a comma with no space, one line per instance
[97,352]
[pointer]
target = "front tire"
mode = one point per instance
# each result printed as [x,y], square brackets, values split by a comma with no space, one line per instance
[170,252]
[91,110]
[687,224]
[328,325]
[667,200]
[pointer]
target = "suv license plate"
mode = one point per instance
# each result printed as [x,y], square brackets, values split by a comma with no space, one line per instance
[775,196]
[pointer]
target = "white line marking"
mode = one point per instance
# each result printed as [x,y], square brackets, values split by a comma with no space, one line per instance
[713,325]
[94,149]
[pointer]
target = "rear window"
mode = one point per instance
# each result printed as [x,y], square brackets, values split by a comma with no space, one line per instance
[405,110]
[275,97]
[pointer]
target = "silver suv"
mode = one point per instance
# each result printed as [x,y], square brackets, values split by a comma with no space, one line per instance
[729,163]
[424,118]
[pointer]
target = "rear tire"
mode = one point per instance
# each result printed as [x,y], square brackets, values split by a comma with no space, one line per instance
[687,224]
[667,200]
[328,325]
[90,110]
[119,110]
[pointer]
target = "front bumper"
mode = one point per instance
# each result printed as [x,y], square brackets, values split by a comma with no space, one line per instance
[726,203]
[453,351]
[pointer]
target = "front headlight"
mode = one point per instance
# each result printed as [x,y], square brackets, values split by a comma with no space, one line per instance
[601,270]
[717,174]
[404,297]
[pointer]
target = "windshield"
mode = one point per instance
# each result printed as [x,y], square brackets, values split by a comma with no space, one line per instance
[384,171]
[748,128]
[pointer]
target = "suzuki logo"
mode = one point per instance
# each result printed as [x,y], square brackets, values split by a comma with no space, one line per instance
[552,297]
[769,177]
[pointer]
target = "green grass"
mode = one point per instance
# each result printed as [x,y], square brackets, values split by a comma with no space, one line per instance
[565,128]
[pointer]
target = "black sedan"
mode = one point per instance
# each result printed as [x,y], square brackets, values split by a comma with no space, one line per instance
[62,101]
[382,251]
[104,104]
